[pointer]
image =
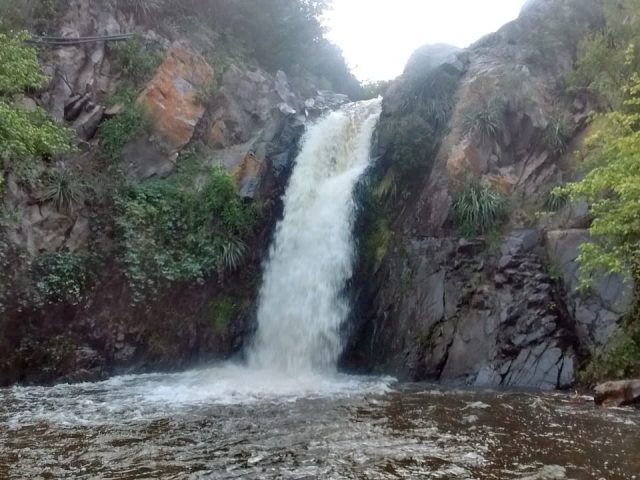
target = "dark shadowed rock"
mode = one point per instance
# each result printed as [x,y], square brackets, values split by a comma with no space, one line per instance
[597,312]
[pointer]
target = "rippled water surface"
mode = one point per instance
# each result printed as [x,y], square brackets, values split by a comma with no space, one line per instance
[231,423]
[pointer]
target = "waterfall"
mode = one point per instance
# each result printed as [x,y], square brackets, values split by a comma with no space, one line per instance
[301,307]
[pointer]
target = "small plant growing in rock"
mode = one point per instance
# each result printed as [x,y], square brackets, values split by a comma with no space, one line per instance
[557,136]
[556,200]
[478,208]
[485,120]
[222,312]
[63,188]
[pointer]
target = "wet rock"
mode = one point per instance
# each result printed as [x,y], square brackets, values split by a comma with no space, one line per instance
[171,98]
[611,296]
[500,329]
[616,394]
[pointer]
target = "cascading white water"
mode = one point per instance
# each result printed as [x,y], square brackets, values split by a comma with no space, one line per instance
[301,307]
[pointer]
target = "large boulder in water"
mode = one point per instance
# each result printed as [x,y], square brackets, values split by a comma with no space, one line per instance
[616,394]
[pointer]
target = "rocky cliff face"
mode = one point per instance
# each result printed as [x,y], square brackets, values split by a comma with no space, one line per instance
[501,309]
[247,121]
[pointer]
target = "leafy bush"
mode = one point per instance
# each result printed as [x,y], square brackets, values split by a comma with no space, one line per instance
[611,187]
[608,57]
[478,208]
[116,132]
[24,134]
[168,231]
[35,15]
[485,120]
[138,61]
[59,277]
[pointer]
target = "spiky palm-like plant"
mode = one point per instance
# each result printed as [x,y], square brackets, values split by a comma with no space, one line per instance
[233,251]
[63,188]
[478,208]
[557,136]
[485,120]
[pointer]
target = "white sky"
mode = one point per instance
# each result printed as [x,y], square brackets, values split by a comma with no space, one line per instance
[378,36]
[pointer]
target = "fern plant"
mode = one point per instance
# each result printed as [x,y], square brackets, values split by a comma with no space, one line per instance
[478,208]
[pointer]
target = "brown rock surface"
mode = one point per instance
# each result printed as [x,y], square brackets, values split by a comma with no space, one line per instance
[171,97]
[616,394]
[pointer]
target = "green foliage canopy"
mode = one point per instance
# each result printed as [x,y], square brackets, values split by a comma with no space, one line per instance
[612,186]
[169,231]
[24,133]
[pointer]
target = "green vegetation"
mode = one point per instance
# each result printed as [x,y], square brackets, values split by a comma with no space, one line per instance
[478,208]
[608,57]
[377,241]
[137,60]
[64,188]
[613,189]
[607,69]
[222,312]
[621,359]
[486,119]
[34,15]
[557,135]
[556,200]
[116,132]
[281,34]
[168,231]
[59,277]
[409,139]
[24,133]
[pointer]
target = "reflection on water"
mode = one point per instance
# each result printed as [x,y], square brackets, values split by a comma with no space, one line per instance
[232,423]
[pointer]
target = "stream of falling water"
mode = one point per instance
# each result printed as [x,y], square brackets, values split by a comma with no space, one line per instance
[287,413]
[301,308]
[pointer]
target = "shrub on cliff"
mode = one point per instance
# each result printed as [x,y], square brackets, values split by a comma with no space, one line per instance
[612,187]
[478,208]
[24,133]
[168,231]
[608,57]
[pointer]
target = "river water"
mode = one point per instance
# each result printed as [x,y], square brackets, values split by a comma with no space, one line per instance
[231,422]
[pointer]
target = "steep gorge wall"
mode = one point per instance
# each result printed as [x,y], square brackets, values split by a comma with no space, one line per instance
[501,309]
[247,121]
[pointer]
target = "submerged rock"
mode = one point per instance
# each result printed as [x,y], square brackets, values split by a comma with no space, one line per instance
[616,394]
